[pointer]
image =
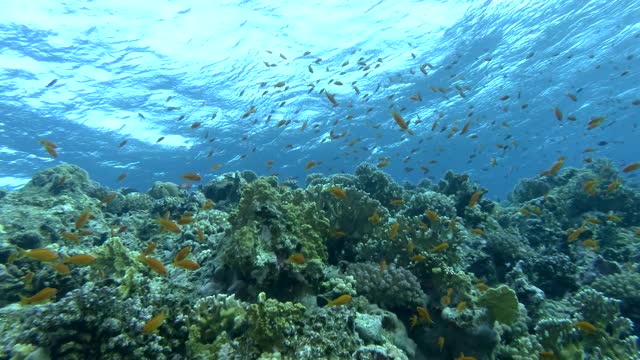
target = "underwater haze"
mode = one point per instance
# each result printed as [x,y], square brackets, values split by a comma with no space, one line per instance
[136,72]
[359,180]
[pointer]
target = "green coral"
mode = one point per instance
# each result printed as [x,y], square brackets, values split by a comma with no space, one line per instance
[214,324]
[501,302]
[272,223]
[270,321]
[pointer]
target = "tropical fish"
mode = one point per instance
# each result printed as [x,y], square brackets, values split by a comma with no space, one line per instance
[191,177]
[340,300]
[631,167]
[153,324]
[338,192]
[80,259]
[297,258]
[40,296]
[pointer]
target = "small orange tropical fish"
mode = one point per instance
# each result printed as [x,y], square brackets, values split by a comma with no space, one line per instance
[155,265]
[150,247]
[61,269]
[383,265]
[40,296]
[423,314]
[441,343]
[153,324]
[576,234]
[71,236]
[50,147]
[208,205]
[340,300]
[614,185]
[474,198]
[375,218]
[297,258]
[393,231]
[191,177]
[401,123]
[80,259]
[557,165]
[38,254]
[310,165]
[595,122]
[182,254]
[331,98]
[338,192]
[433,217]
[215,166]
[441,247]
[557,113]
[83,218]
[108,198]
[589,185]
[166,224]
[631,167]
[187,264]
[585,326]
[122,176]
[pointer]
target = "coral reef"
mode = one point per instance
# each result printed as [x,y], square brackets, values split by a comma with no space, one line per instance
[349,266]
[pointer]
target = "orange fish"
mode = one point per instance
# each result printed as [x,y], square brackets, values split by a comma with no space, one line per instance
[576,234]
[155,265]
[423,314]
[80,259]
[465,128]
[153,324]
[557,165]
[310,165]
[71,236]
[38,254]
[42,295]
[338,192]
[557,113]
[150,247]
[61,269]
[614,185]
[340,300]
[589,187]
[196,124]
[187,264]
[474,198]
[441,247]
[182,254]
[208,205]
[191,177]
[122,176]
[595,122]
[50,147]
[297,258]
[83,218]
[375,218]
[331,98]
[401,123]
[631,167]
[433,217]
[108,198]
[585,326]
[166,224]
[393,231]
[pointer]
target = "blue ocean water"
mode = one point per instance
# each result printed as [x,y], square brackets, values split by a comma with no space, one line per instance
[130,70]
